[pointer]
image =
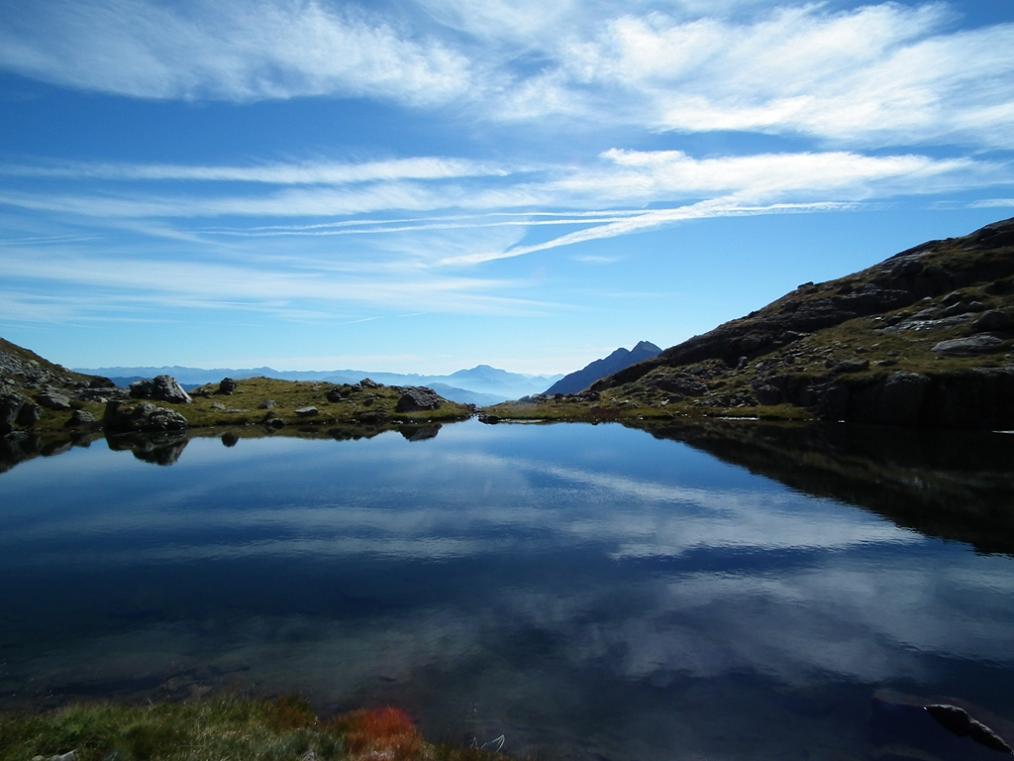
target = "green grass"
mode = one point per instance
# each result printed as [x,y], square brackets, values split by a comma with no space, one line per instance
[225,728]
[242,406]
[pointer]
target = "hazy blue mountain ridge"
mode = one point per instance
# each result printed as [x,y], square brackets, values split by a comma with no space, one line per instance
[620,359]
[478,385]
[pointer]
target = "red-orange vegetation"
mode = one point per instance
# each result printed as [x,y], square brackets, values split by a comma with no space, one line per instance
[387,733]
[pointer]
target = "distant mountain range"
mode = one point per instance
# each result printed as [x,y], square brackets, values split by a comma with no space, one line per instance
[479,385]
[620,359]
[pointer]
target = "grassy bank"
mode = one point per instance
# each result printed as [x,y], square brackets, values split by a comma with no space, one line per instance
[218,729]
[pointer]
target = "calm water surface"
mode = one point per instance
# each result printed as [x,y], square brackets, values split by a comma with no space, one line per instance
[589,591]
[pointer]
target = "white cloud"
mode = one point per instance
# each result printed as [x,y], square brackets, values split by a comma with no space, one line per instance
[302,173]
[226,50]
[878,74]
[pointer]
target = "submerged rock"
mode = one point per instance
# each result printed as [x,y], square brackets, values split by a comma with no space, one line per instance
[960,723]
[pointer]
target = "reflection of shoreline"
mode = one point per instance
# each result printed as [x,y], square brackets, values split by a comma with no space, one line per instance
[166,448]
[955,485]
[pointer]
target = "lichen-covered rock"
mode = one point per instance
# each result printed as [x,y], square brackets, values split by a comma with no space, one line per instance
[161,388]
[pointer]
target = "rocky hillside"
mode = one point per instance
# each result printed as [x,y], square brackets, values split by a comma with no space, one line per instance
[923,338]
[38,394]
[620,359]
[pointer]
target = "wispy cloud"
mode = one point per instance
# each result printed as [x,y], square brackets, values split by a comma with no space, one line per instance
[302,173]
[651,219]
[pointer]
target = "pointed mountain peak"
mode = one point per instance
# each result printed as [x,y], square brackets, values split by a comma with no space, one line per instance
[646,346]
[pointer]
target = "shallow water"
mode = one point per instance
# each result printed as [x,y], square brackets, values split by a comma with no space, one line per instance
[589,591]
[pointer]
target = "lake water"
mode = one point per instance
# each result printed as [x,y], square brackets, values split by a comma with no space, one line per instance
[588,591]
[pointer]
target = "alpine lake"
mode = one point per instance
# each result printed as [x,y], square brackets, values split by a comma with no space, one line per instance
[710,592]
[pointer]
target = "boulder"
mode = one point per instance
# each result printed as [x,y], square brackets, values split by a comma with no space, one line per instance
[161,388]
[306,412]
[335,394]
[417,399]
[124,418]
[983,343]
[851,366]
[53,400]
[994,319]
[29,415]
[369,383]
[267,404]
[10,409]
[226,386]
[80,419]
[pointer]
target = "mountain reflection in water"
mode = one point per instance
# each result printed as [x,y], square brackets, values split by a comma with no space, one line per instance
[701,592]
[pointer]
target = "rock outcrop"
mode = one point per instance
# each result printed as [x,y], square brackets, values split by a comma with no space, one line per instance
[417,400]
[924,338]
[161,388]
[121,417]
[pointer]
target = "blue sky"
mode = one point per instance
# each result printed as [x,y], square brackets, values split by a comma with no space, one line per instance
[427,185]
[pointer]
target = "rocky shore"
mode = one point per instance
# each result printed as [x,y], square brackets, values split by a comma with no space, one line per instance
[39,398]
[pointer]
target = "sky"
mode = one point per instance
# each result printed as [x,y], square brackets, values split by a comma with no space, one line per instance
[428,185]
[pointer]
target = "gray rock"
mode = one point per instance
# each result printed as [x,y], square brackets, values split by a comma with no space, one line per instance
[851,366]
[123,418]
[274,422]
[994,319]
[983,343]
[10,408]
[369,383]
[226,386]
[417,399]
[80,419]
[267,404]
[766,393]
[335,394]
[53,400]
[306,412]
[161,388]
[29,415]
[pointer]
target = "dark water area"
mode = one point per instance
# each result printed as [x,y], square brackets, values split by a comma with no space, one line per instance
[736,591]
